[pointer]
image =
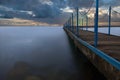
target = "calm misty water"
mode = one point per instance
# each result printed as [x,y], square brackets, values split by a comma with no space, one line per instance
[42,53]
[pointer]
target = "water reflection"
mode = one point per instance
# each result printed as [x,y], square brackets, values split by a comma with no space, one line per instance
[24,71]
[19,71]
[40,53]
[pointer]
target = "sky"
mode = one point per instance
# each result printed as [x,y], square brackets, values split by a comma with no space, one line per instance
[51,11]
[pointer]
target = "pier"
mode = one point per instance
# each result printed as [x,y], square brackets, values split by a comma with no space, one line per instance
[105,57]
[59,40]
[103,50]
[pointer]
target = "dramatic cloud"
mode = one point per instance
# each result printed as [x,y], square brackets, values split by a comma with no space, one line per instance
[113,3]
[51,10]
[80,3]
[41,8]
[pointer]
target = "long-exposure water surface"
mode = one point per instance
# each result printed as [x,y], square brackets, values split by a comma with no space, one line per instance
[42,53]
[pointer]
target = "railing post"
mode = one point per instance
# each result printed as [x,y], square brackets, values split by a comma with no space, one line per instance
[109,25]
[86,22]
[72,23]
[65,24]
[77,30]
[96,24]
[69,23]
[82,23]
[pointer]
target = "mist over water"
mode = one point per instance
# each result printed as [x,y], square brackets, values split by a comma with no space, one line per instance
[41,53]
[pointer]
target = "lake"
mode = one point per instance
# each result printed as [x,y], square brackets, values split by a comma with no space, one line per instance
[42,53]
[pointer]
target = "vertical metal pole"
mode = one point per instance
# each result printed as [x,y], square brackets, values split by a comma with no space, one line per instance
[109,26]
[72,23]
[65,25]
[86,22]
[96,24]
[77,22]
[82,23]
[69,23]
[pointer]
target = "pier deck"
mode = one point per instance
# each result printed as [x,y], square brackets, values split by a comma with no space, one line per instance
[109,44]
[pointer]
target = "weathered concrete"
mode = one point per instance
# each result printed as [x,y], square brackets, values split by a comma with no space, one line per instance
[109,71]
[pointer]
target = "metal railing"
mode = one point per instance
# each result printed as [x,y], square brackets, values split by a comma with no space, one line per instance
[75,30]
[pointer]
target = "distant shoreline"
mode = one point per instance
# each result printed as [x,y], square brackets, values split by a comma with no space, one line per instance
[48,26]
[22,22]
[21,25]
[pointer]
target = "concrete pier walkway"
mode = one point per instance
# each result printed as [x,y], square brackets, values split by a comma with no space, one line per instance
[105,57]
[109,44]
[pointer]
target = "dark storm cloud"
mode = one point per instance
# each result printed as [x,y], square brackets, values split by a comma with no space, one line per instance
[80,3]
[10,12]
[50,7]
[88,3]
[41,8]
[45,8]
[112,3]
